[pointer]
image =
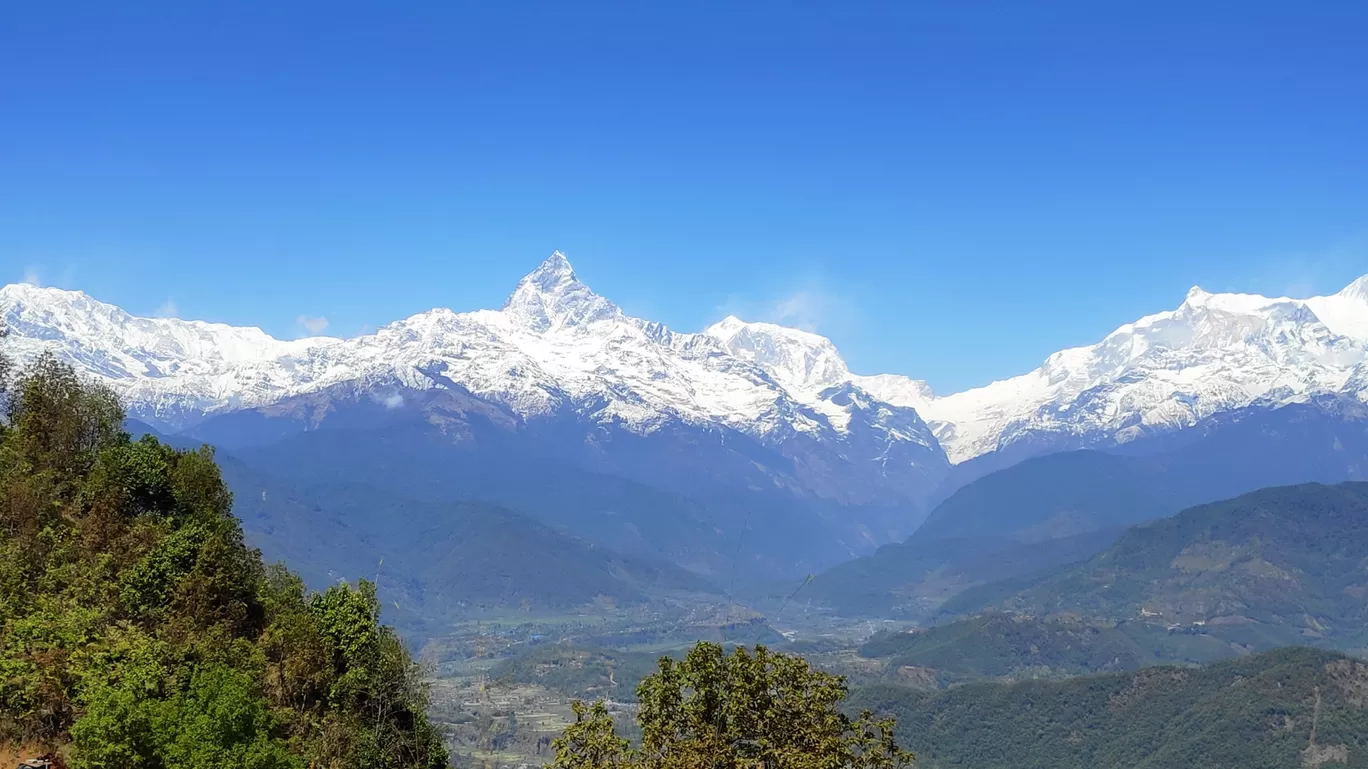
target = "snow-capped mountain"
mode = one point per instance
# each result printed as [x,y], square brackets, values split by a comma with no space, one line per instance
[558,348]
[1170,370]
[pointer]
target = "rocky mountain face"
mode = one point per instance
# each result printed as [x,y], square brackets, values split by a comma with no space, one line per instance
[768,413]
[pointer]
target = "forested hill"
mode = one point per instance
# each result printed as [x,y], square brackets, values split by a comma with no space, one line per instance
[1293,707]
[138,630]
[1276,566]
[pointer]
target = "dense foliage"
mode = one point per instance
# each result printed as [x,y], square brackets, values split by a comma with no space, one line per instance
[1286,708]
[137,630]
[714,710]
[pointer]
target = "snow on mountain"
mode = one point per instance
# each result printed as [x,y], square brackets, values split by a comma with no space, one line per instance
[555,346]
[558,346]
[1215,352]
[168,367]
[798,359]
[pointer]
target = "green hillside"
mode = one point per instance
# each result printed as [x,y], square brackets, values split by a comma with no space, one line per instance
[1293,707]
[1277,566]
[137,629]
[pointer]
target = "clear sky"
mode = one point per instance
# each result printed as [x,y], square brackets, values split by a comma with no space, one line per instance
[950,190]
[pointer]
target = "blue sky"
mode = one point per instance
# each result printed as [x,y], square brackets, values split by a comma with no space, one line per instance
[948,190]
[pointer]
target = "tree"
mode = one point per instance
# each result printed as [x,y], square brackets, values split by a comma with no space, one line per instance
[713,710]
[591,742]
[138,627]
[218,722]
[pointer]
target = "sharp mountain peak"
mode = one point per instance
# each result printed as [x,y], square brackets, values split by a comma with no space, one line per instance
[552,298]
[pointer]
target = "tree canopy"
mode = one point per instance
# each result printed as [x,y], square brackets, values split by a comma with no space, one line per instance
[138,630]
[714,710]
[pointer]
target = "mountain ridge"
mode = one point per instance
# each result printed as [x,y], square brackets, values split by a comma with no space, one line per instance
[1274,566]
[1046,511]
[556,351]
[557,346]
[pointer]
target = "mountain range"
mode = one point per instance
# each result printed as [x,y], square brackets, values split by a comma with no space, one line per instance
[743,434]
[557,345]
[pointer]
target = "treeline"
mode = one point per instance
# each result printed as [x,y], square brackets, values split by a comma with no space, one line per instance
[1285,708]
[137,629]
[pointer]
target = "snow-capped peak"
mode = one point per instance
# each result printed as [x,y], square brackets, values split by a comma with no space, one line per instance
[1356,290]
[126,343]
[807,361]
[1168,370]
[551,297]
[1345,312]
[796,358]
[1243,304]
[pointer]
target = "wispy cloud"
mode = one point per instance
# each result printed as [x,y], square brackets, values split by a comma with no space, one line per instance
[1301,274]
[810,309]
[313,324]
[41,275]
[168,309]
[390,401]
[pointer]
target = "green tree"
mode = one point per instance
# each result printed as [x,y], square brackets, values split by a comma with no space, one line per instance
[714,710]
[138,626]
[591,742]
[218,722]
